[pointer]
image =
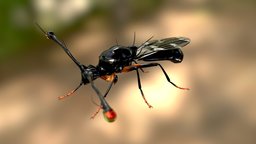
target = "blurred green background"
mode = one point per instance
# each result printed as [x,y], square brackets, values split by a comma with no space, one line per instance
[219,67]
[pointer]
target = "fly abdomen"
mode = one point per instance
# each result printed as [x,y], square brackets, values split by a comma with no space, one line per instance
[174,55]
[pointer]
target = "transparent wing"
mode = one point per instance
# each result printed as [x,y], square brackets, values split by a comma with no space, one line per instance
[155,46]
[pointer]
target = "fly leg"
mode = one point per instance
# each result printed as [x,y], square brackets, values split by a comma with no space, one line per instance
[136,66]
[140,68]
[139,85]
[168,79]
[70,93]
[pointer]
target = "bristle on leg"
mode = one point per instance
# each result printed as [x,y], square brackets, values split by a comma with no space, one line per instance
[95,114]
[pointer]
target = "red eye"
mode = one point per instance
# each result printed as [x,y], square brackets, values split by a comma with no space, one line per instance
[110,115]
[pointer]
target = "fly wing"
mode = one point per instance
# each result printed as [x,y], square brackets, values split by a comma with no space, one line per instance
[167,45]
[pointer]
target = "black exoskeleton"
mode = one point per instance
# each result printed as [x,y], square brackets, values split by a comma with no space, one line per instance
[119,59]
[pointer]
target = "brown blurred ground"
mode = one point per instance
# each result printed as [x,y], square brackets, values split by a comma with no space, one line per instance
[219,67]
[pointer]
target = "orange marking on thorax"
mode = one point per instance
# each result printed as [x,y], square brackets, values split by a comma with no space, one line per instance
[108,78]
[127,68]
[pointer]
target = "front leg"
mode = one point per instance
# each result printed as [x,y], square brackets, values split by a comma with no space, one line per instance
[70,93]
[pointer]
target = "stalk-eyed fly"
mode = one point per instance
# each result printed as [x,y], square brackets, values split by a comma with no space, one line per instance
[120,59]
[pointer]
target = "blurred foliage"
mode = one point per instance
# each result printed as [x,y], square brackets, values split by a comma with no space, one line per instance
[18,33]
[15,35]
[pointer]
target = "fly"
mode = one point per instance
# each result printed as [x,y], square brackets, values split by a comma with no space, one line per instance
[120,59]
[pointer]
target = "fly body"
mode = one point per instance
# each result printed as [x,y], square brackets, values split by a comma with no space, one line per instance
[120,59]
